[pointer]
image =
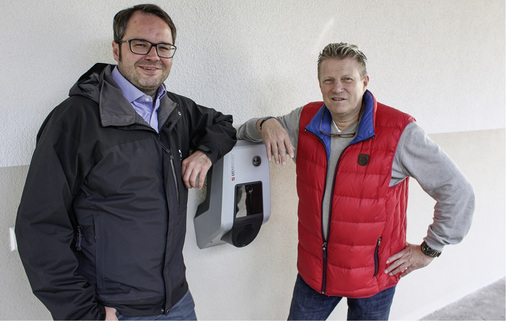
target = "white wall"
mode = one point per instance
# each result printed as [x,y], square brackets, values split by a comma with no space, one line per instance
[441,61]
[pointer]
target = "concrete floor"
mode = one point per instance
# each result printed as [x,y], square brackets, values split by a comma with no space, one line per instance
[485,304]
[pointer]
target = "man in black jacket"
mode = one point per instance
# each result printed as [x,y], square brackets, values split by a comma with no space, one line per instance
[102,219]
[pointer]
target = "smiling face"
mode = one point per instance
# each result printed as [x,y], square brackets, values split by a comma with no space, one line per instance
[342,89]
[146,72]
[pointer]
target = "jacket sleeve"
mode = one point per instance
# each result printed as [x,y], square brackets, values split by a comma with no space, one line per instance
[419,157]
[290,123]
[45,229]
[211,132]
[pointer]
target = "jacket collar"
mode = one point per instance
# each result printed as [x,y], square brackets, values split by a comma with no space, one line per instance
[98,85]
[115,110]
[367,120]
[365,126]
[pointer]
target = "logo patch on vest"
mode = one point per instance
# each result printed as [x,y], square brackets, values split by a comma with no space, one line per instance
[363,159]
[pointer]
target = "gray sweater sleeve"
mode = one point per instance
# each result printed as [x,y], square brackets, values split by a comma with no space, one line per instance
[290,122]
[249,132]
[419,157]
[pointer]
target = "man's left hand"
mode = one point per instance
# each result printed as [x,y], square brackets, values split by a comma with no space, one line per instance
[110,314]
[195,169]
[407,260]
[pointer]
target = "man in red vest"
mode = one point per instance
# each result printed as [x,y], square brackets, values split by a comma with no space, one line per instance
[354,157]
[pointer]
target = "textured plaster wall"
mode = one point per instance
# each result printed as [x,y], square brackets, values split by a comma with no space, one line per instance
[441,61]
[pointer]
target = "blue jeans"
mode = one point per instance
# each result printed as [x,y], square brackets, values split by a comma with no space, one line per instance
[308,304]
[183,310]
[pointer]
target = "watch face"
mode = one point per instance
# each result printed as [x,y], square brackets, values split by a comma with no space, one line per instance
[429,252]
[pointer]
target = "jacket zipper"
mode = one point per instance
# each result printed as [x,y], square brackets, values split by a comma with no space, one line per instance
[376,257]
[79,238]
[173,172]
[174,178]
[165,310]
[165,149]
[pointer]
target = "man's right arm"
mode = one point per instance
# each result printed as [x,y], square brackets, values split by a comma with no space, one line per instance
[280,134]
[44,229]
[419,157]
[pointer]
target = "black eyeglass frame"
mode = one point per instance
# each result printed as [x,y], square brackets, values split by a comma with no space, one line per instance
[152,44]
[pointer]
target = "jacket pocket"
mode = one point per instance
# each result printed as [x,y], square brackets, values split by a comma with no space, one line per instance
[79,238]
[176,185]
[173,173]
[376,257]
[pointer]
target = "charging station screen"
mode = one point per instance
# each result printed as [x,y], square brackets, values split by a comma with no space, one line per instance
[248,199]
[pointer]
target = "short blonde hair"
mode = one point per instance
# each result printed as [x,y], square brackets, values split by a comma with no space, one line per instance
[343,50]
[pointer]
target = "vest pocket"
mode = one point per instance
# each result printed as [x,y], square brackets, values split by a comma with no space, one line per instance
[376,257]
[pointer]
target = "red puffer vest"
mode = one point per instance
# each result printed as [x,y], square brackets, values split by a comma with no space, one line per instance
[367,217]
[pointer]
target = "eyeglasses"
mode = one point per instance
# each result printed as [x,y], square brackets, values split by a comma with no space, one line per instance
[143,47]
[342,135]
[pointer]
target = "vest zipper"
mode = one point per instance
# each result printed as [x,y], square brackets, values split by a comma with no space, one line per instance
[324,281]
[376,257]
[325,241]
[324,285]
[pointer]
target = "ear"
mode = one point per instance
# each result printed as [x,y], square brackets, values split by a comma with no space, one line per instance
[115,50]
[366,82]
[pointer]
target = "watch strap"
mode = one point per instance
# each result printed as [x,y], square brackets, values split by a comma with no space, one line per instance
[264,120]
[427,250]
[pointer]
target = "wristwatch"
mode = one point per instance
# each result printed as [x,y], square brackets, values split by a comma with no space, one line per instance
[427,250]
[264,120]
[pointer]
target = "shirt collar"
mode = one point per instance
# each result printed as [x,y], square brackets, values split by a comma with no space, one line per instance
[131,92]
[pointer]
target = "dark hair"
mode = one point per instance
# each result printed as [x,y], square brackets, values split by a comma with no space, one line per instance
[343,50]
[121,19]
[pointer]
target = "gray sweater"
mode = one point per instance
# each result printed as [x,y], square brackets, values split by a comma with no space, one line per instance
[416,156]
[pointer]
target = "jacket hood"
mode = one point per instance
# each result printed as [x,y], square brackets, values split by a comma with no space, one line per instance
[98,85]
[88,85]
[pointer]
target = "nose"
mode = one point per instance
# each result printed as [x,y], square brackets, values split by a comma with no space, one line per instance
[152,54]
[338,86]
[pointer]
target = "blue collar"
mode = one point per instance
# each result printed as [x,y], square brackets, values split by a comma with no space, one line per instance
[365,127]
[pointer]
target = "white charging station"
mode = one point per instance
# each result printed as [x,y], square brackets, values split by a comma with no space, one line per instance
[238,197]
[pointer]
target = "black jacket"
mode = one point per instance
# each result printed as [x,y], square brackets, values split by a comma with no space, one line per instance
[102,218]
